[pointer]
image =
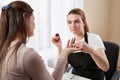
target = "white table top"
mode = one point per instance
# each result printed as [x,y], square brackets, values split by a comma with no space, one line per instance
[69,76]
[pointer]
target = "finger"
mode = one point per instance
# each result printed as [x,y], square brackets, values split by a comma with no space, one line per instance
[68,43]
[53,40]
[73,40]
[74,49]
[74,46]
[77,49]
[57,34]
[57,37]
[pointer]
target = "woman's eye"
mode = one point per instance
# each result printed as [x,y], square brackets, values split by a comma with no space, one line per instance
[69,22]
[77,21]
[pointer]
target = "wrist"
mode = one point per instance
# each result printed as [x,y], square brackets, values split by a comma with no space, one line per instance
[59,49]
[64,53]
[92,52]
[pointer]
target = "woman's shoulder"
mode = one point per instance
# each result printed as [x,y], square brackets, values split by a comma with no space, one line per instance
[31,56]
[26,49]
[95,40]
[28,53]
[92,34]
[32,62]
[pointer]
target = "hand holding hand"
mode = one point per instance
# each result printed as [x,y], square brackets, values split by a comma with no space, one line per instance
[70,48]
[84,47]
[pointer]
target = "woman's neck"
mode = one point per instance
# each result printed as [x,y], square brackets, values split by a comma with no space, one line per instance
[79,36]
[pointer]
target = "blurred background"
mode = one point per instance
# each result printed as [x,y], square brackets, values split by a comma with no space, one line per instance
[103,18]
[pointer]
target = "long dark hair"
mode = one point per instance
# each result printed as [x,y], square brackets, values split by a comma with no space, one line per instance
[82,15]
[12,25]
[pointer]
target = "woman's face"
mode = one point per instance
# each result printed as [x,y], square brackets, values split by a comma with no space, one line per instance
[75,24]
[31,25]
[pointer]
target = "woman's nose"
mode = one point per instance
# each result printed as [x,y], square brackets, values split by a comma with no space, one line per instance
[73,25]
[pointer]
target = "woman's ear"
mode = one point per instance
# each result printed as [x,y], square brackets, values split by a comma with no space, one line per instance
[24,16]
[84,24]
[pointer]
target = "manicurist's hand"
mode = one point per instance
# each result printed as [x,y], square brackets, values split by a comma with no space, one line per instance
[56,40]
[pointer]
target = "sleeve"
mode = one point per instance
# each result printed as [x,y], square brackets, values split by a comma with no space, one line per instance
[34,67]
[98,43]
[95,41]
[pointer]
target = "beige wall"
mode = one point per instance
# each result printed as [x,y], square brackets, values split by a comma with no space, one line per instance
[97,16]
[103,17]
[114,24]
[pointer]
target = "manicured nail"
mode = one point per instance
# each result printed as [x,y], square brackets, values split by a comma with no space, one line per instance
[57,34]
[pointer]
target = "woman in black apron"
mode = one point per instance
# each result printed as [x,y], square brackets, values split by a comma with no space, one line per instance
[84,65]
[90,61]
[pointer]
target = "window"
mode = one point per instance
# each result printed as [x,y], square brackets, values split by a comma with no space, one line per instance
[50,18]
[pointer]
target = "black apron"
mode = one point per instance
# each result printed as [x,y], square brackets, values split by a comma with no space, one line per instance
[84,65]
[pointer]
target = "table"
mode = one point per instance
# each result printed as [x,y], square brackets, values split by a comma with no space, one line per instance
[69,76]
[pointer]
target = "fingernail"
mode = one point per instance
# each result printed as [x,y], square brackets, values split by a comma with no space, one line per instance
[74,40]
[57,34]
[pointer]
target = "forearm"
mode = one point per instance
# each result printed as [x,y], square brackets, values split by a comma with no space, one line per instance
[100,59]
[59,69]
[59,51]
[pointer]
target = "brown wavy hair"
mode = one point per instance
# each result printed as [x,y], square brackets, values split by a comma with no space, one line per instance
[12,25]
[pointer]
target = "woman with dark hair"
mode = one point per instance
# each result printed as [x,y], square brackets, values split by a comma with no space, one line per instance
[17,62]
[90,61]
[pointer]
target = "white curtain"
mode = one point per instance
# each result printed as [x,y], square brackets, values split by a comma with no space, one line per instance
[59,10]
[50,18]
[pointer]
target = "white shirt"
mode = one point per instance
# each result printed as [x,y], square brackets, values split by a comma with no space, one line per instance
[94,40]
